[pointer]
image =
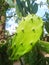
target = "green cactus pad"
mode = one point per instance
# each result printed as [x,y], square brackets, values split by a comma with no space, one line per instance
[28,33]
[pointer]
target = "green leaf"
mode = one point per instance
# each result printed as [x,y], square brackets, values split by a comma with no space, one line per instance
[47,26]
[25,7]
[48,2]
[11,3]
[44,46]
[34,8]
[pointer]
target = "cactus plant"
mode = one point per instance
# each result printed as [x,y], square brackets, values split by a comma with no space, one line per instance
[28,33]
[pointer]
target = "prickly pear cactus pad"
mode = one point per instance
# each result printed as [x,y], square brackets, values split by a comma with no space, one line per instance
[28,33]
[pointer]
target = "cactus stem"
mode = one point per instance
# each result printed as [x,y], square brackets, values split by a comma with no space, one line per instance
[27,34]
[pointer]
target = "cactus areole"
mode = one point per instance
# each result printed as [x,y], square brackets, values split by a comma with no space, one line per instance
[28,33]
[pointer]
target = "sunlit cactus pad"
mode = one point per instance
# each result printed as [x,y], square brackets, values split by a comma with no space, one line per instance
[28,33]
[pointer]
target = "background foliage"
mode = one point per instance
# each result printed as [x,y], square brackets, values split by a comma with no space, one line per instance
[37,56]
